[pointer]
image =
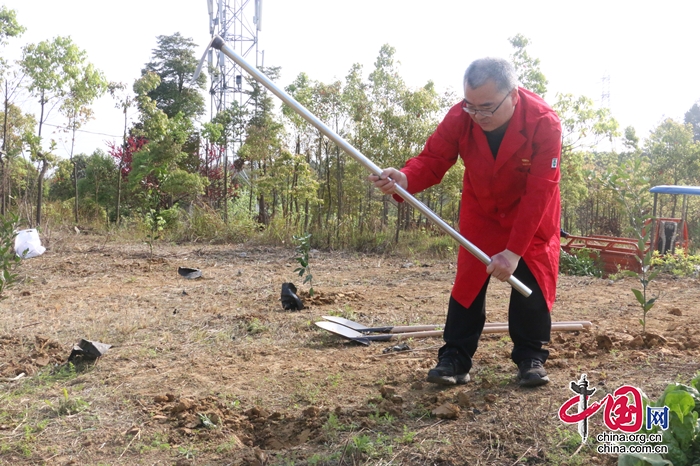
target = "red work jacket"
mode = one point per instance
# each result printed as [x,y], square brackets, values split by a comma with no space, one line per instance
[510,202]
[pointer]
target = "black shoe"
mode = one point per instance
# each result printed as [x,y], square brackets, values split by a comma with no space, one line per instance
[531,373]
[448,372]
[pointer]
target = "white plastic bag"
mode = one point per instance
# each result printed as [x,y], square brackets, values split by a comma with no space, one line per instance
[28,244]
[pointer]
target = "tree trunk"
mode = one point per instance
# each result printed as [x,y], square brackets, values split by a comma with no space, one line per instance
[40,191]
[28,212]
[8,178]
[226,183]
[319,164]
[44,167]
[398,222]
[3,156]
[75,177]
[250,195]
[3,180]
[339,184]
[121,167]
[385,210]
[329,207]
[262,214]
[119,188]
[274,203]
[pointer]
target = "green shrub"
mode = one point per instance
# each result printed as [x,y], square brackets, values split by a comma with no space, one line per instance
[91,212]
[62,213]
[581,262]
[678,264]
[57,212]
[201,223]
[8,258]
[443,246]
[683,434]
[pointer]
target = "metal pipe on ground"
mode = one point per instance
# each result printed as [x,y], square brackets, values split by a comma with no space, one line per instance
[428,327]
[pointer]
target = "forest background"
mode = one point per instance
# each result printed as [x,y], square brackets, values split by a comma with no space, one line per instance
[171,179]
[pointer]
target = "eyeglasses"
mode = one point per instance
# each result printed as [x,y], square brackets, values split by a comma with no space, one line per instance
[486,113]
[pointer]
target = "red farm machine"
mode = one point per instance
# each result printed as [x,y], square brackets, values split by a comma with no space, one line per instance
[622,253]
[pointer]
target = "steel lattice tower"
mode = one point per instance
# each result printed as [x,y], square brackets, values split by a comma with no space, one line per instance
[238,23]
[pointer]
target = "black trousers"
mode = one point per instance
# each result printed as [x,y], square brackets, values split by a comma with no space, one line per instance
[529,323]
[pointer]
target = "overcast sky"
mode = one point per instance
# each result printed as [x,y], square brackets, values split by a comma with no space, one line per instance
[648,49]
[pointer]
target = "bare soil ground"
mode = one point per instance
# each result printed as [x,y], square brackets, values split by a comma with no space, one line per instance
[214,372]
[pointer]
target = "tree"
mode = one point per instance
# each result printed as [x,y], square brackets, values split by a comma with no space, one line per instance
[263,140]
[162,171]
[232,123]
[631,141]
[98,180]
[290,179]
[387,91]
[528,68]
[402,119]
[359,108]
[261,147]
[15,126]
[155,175]
[124,101]
[692,117]
[88,85]
[124,155]
[303,133]
[209,166]
[52,67]
[61,185]
[674,157]
[302,90]
[583,126]
[9,27]
[96,186]
[174,61]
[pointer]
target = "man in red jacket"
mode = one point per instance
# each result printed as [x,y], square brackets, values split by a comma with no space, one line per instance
[509,140]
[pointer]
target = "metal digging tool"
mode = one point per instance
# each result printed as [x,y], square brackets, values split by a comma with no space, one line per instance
[350,334]
[386,329]
[219,44]
[354,335]
[556,326]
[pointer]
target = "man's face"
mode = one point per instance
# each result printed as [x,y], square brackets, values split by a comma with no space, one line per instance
[487,97]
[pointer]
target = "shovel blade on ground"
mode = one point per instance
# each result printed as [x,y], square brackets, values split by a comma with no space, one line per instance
[354,335]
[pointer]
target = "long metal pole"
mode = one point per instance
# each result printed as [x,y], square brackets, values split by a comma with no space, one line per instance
[219,44]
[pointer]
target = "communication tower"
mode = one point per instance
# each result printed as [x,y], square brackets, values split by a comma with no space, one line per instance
[238,23]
